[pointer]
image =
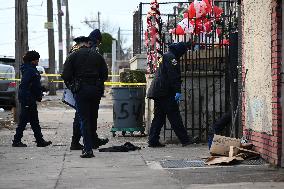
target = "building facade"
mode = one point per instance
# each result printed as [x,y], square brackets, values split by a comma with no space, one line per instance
[261,57]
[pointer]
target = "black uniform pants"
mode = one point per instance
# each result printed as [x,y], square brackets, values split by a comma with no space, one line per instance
[77,132]
[28,115]
[167,107]
[76,129]
[87,104]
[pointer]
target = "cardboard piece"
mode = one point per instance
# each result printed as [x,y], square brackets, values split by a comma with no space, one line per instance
[222,160]
[233,151]
[235,154]
[221,145]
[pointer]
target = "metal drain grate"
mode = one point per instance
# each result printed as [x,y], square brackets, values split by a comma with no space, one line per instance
[200,163]
[258,161]
[182,163]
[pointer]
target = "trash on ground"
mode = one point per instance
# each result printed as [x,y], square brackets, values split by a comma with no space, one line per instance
[226,150]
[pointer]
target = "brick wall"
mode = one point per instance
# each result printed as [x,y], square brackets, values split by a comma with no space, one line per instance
[269,145]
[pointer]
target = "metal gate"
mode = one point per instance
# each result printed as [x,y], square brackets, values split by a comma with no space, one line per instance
[206,76]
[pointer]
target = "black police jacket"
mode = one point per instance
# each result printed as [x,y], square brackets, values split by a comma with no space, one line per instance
[86,65]
[30,89]
[167,79]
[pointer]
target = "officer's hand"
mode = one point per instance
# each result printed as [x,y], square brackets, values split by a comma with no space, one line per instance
[178,97]
[39,99]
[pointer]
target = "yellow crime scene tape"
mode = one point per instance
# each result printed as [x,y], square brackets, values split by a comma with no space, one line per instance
[51,75]
[108,83]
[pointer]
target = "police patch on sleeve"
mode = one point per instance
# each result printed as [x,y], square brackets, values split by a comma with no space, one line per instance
[160,61]
[174,62]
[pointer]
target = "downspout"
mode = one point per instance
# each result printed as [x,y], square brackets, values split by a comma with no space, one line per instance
[282,87]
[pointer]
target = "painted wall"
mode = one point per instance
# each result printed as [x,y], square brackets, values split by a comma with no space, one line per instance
[257,59]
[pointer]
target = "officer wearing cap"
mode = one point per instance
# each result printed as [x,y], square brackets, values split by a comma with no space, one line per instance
[83,42]
[88,69]
[165,89]
[30,91]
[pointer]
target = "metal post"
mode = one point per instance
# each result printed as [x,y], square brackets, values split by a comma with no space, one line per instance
[118,45]
[21,43]
[99,21]
[51,49]
[113,61]
[60,43]
[67,26]
[282,87]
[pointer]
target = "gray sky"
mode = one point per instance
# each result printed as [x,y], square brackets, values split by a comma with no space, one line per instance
[117,13]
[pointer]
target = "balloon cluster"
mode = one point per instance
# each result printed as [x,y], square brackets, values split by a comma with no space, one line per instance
[153,36]
[199,18]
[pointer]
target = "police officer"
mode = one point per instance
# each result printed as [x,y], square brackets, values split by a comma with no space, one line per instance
[95,40]
[89,68]
[165,89]
[83,42]
[30,91]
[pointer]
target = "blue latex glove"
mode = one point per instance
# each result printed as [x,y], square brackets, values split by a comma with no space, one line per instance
[178,97]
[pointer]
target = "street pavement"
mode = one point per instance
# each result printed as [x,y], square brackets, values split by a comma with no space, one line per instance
[58,167]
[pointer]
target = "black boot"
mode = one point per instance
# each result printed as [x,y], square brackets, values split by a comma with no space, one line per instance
[43,143]
[76,146]
[19,144]
[156,145]
[75,143]
[100,142]
[87,154]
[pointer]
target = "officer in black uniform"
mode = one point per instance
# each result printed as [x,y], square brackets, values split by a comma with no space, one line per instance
[95,40]
[165,89]
[88,68]
[30,91]
[83,42]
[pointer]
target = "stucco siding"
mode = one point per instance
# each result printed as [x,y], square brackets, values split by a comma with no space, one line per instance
[257,59]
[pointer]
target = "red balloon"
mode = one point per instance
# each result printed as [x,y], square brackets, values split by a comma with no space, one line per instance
[218,12]
[178,30]
[191,11]
[208,27]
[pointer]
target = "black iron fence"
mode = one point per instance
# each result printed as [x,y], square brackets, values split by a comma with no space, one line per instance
[205,69]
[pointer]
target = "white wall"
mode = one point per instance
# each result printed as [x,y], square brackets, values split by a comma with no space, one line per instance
[257,59]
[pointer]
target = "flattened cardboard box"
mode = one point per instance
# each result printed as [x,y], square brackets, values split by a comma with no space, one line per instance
[221,145]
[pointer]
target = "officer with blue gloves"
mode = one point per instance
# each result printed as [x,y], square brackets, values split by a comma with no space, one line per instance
[165,90]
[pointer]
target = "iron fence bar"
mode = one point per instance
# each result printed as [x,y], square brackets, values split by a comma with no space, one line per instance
[192,96]
[199,92]
[141,28]
[185,91]
[206,89]
[213,83]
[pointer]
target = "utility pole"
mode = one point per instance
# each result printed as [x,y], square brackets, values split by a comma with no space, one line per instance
[90,22]
[21,43]
[99,21]
[51,49]
[67,25]
[60,43]
[113,61]
[118,45]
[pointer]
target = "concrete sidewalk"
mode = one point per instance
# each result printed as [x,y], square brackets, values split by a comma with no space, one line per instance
[58,167]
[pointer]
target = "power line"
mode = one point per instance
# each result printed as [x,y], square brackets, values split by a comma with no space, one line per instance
[8,8]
